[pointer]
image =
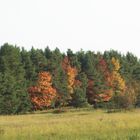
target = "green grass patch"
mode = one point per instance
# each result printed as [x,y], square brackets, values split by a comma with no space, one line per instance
[73,124]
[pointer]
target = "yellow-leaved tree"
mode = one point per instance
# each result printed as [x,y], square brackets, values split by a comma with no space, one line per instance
[118,83]
[71,73]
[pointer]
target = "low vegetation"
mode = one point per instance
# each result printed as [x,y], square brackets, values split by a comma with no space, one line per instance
[72,124]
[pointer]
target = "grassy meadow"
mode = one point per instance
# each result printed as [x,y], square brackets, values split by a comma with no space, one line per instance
[75,124]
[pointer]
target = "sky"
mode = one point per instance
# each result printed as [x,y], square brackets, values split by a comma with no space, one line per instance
[95,25]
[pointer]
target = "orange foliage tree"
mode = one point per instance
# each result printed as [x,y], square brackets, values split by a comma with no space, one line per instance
[71,73]
[43,94]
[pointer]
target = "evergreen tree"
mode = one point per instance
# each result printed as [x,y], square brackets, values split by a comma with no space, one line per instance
[30,74]
[38,59]
[13,84]
[59,77]
[79,96]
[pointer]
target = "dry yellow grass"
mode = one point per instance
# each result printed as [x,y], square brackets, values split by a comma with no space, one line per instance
[72,125]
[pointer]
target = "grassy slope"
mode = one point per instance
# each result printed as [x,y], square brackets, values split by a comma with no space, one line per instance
[72,125]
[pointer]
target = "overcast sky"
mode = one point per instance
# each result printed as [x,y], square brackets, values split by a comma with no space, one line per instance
[95,25]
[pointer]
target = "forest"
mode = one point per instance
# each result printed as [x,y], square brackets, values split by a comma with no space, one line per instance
[41,79]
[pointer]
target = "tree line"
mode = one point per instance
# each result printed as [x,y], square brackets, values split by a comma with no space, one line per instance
[41,79]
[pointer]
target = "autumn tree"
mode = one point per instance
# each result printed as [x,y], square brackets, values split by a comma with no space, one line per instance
[120,98]
[71,73]
[43,94]
[106,91]
[118,82]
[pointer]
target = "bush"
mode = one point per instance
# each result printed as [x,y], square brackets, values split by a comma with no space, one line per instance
[60,110]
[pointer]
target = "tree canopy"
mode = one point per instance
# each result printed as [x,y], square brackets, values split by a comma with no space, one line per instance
[41,79]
